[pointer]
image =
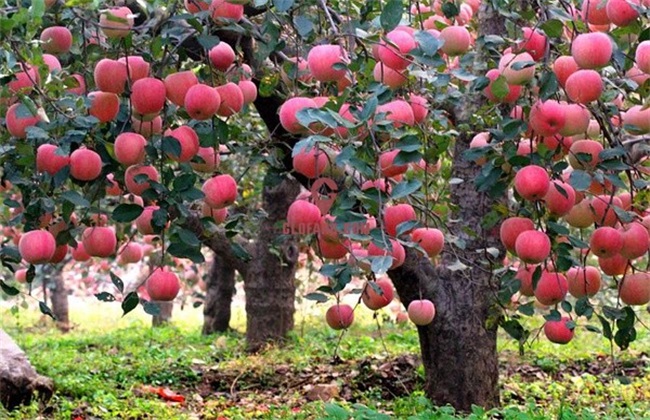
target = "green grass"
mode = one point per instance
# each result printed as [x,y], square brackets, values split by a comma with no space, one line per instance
[101,366]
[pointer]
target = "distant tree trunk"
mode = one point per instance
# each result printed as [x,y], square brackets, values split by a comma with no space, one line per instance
[218,298]
[59,297]
[269,284]
[458,348]
[165,315]
[19,381]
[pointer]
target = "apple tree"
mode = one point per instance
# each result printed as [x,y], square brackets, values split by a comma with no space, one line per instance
[488,157]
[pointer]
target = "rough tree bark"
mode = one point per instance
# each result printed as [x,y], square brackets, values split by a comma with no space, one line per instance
[269,285]
[19,381]
[59,298]
[218,298]
[458,348]
[165,315]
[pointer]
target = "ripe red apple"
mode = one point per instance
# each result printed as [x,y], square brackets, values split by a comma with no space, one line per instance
[584,86]
[394,53]
[603,209]
[560,198]
[79,253]
[220,191]
[163,285]
[146,128]
[288,111]
[532,182]
[219,215]
[328,249]
[17,120]
[310,163]
[642,56]
[21,275]
[222,56]
[210,160]
[534,42]
[59,254]
[232,99]
[510,69]
[188,140]
[558,331]
[399,112]
[397,214]
[551,288]
[110,76]
[177,85]
[374,300]
[621,13]
[202,101]
[113,188]
[99,241]
[592,50]
[577,120]
[394,79]
[339,316]
[221,9]
[129,148]
[511,228]
[583,281]
[563,67]
[634,289]
[139,186]
[431,240]
[249,90]
[322,59]
[636,120]
[104,105]
[420,106]
[130,252]
[614,266]
[456,40]
[76,86]
[591,150]
[398,253]
[53,64]
[547,118]
[525,277]
[48,161]
[148,96]
[533,246]
[37,246]
[513,90]
[387,167]
[143,221]
[85,164]
[421,312]
[116,22]
[137,68]
[606,242]
[303,217]
[635,240]
[24,80]
[594,12]
[56,39]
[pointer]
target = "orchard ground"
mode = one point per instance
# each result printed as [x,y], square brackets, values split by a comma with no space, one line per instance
[114,367]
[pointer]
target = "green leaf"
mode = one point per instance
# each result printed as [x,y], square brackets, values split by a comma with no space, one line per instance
[207,42]
[405,188]
[607,327]
[171,146]
[406,227]
[45,310]
[117,282]
[553,28]
[125,213]
[318,297]
[105,297]
[150,308]
[188,237]
[500,87]
[580,180]
[514,329]
[548,85]
[450,10]
[130,302]
[9,290]
[75,198]
[380,265]
[282,6]
[240,252]
[181,250]
[428,43]
[391,15]
[304,25]
[38,8]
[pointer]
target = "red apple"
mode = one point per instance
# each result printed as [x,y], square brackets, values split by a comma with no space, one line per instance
[339,316]
[421,312]
[85,164]
[163,285]
[129,148]
[99,241]
[558,331]
[533,246]
[220,191]
[37,246]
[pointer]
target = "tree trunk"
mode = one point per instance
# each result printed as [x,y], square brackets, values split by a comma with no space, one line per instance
[269,283]
[165,315]
[458,348]
[218,297]
[59,297]
[19,381]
